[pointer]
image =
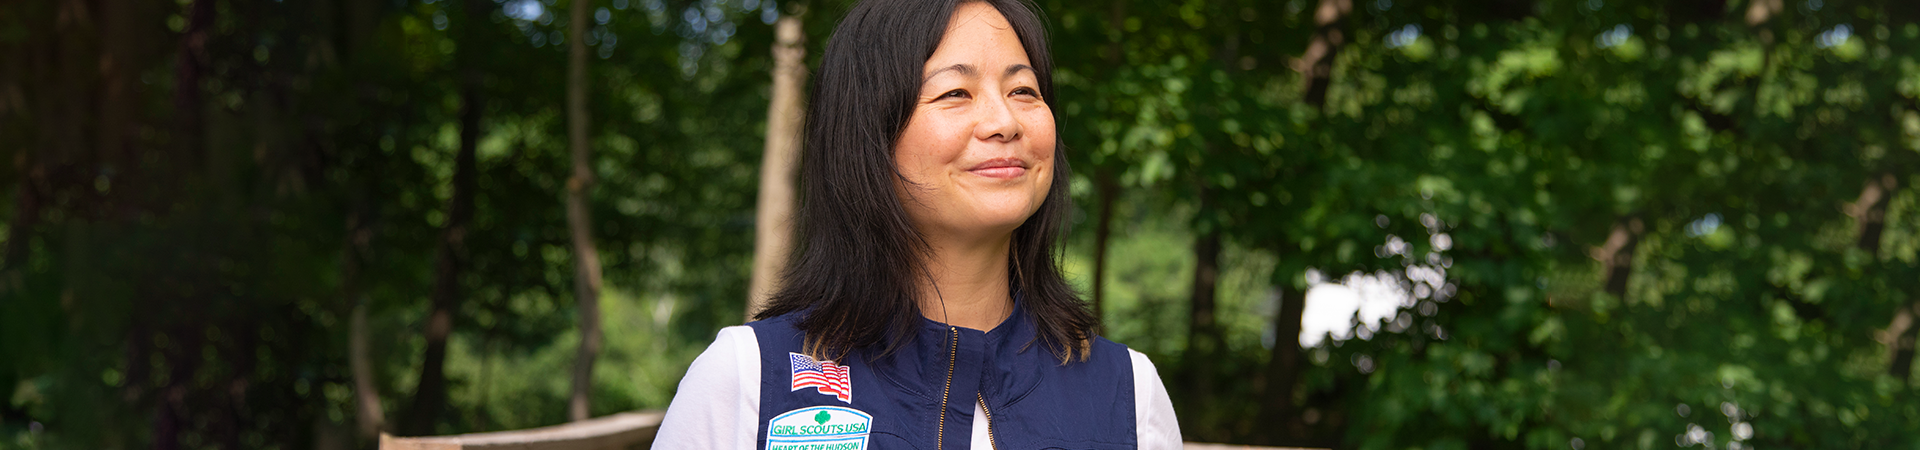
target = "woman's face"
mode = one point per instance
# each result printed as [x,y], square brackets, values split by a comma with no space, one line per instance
[978,151]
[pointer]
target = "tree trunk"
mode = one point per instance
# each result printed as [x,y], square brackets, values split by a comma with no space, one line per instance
[1617,254]
[1202,335]
[1279,415]
[1278,418]
[173,414]
[350,27]
[1899,337]
[1759,11]
[20,230]
[368,413]
[1102,234]
[1869,214]
[773,219]
[1107,187]
[32,66]
[190,67]
[430,394]
[1317,62]
[586,258]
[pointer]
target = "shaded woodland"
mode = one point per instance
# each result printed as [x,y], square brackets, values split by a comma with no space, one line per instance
[296,224]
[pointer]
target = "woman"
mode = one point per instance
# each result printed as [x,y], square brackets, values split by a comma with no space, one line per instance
[924,307]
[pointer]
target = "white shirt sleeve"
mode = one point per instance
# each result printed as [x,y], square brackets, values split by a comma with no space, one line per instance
[1152,408]
[718,404]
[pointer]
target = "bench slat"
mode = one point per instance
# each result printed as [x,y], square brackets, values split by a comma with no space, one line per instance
[616,431]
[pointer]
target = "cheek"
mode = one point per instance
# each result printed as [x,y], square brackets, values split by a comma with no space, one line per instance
[1040,135]
[911,154]
[925,146]
[1041,143]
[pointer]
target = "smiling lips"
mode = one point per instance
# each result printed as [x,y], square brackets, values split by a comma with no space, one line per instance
[1003,168]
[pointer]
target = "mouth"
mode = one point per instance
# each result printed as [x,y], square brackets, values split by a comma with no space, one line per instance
[1003,168]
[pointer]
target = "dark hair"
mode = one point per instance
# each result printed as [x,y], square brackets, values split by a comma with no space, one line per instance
[857,257]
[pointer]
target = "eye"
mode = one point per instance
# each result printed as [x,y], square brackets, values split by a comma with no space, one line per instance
[956,93]
[1027,91]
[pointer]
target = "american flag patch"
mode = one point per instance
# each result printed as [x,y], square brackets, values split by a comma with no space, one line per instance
[829,378]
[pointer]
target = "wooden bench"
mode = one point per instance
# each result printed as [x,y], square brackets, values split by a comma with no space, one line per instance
[628,430]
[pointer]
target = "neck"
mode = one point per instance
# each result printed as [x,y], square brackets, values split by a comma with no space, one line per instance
[968,286]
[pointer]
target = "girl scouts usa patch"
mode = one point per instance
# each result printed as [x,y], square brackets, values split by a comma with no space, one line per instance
[819,428]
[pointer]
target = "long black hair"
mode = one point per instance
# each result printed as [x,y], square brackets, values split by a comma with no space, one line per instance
[858,259]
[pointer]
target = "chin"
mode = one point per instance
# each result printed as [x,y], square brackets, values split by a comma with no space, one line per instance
[982,216]
[1005,226]
[1003,221]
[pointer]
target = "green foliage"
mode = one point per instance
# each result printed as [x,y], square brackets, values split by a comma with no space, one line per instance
[1526,130]
[225,277]
[191,286]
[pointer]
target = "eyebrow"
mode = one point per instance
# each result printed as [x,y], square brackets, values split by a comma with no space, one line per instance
[964,69]
[969,71]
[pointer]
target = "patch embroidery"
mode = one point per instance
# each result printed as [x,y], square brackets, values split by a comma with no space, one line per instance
[831,379]
[819,428]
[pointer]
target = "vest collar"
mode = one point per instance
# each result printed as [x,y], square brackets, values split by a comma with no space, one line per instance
[1001,365]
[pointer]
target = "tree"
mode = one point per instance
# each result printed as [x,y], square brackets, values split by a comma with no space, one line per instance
[369,415]
[1285,362]
[430,395]
[253,279]
[1869,215]
[586,284]
[773,214]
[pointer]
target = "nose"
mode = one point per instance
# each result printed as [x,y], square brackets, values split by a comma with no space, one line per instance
[997,122]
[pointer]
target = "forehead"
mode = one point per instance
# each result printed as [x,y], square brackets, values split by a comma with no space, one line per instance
[977,14]
[978,33]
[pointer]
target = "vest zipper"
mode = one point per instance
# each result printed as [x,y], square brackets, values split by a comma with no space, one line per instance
[989,418]
[953,354]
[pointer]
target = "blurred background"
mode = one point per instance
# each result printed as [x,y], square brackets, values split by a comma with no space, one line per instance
[1545,224]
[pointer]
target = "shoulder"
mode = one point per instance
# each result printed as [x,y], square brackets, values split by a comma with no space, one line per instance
[1141,365]
[1146,377]
[733,355]
[777,332]
[701,414]
[1119,356]
[1109,355]
[737,338]
[1152,407]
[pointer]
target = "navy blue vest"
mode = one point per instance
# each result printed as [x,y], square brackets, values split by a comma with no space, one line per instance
[1033,400]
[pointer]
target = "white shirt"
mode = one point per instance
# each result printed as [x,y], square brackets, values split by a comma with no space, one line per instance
[730,368]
